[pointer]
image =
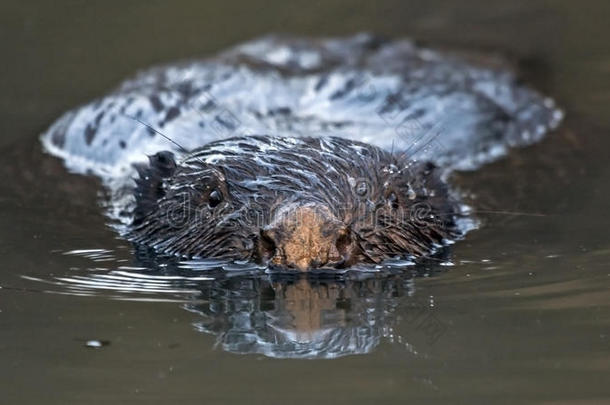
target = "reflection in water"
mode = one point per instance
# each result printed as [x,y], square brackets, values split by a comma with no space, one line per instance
[249,310]
[300,317]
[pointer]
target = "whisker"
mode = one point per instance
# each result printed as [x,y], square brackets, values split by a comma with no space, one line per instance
[156,131]
[504,212]
[437,132]
[499,212]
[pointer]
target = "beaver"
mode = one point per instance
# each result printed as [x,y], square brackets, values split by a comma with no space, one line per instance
[322,188]
[297,203]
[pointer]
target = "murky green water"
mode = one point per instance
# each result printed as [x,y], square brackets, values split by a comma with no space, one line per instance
[522,317]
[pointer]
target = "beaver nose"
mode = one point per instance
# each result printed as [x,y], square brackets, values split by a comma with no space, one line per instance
[306,238]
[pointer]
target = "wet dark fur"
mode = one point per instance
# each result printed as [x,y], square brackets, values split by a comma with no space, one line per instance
[214,201]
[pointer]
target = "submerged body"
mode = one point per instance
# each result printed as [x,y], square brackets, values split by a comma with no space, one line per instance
[317,201]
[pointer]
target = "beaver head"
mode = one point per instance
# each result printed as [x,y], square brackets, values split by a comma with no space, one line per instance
[292,202]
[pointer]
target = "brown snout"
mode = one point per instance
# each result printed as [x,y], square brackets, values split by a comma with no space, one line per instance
[306,237]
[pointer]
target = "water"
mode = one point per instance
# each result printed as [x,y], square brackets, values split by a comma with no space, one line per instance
[521,316]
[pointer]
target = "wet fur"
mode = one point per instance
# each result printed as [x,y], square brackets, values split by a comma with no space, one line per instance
[404,208]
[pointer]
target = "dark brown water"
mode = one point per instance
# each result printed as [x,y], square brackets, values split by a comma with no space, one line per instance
[522,317]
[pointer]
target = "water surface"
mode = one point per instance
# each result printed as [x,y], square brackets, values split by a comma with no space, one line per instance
[522,315]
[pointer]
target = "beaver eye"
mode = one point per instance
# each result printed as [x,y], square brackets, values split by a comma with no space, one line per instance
[215,198]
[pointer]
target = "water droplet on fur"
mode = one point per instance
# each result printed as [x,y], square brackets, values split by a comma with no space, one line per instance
[361,189]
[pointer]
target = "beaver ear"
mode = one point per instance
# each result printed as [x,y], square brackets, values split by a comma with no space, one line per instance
[149,184]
